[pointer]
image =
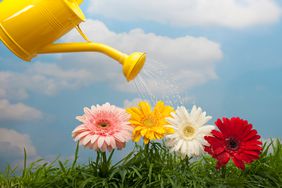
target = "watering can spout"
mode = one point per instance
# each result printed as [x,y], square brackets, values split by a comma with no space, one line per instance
[132,64]
[30,27]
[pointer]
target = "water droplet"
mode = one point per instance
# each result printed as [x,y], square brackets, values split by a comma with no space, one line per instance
[156,82]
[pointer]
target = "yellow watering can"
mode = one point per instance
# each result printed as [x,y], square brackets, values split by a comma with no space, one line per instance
[29,27]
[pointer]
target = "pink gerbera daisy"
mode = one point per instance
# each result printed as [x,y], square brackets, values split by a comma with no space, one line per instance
[103,128]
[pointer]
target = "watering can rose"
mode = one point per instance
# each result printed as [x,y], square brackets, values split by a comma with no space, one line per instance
[103,128]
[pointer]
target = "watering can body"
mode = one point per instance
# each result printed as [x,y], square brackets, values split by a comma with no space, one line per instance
[29,28]
[26,26]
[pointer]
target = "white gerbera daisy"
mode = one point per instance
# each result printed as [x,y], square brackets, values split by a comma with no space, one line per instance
[188,137]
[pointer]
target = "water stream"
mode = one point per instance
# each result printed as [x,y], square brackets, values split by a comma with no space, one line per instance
[157,82]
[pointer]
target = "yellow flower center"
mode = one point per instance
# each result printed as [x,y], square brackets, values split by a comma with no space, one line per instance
[150,121]
[188,131]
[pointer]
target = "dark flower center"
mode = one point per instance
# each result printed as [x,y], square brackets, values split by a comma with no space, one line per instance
[232,144]
[103,123]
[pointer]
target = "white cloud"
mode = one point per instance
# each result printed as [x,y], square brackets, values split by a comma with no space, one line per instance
[17,141]
[12,144]
[187,60]
[12,86]
[227,13]
[52,78]
[43,78]
[17,112]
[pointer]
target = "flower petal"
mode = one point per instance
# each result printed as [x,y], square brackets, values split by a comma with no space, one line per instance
[94,138]
[112,142]
[101,140]
[108,140]
[136,138]
[79,129]
[223,159]
[251,135]
[81,135]
[238,163]
[145,107]
[86,139]
[205,130]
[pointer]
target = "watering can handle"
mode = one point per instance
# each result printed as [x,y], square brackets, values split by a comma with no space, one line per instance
[82,33]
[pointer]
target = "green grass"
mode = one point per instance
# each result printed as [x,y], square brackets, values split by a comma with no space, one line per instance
[151,166]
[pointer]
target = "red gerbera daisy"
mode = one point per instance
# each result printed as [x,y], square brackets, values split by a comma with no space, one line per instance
[236,139]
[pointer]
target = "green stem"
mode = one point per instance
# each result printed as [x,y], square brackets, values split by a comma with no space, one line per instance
[187,161]
[97,163]
[104,165]
[104,156]
[110,157]
[223,171]
[147,151]
[25,159]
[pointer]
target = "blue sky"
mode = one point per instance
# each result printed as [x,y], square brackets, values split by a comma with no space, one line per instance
[224,55]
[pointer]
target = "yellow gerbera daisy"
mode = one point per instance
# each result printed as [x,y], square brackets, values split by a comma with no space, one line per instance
[151,125]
